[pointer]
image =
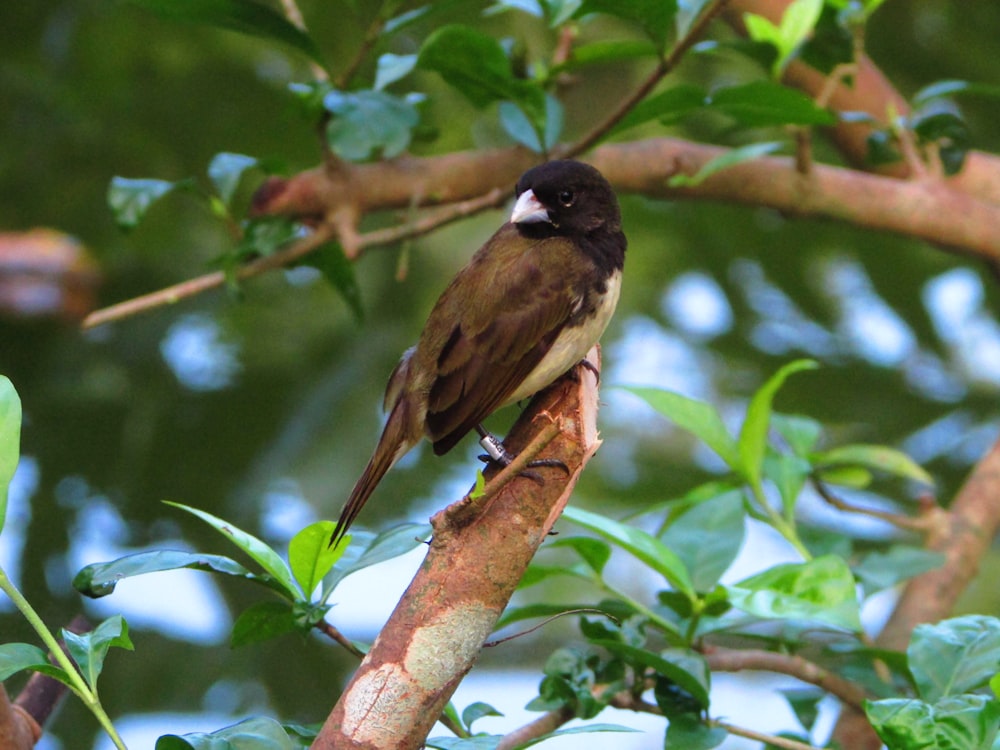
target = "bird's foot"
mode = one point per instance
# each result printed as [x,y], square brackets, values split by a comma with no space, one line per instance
[497,453]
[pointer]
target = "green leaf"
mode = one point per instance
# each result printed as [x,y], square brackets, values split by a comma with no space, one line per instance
[669,106]
[640,544]
[804,702]
[226,170]
[766,103]
[967,722]
[753,434]
[954,656]
[607,51]
[688,732]
[476,65]
[877,457]
[696,417]
[16,657]
[89,650]
[339,272]
[687,668]
[798,21]
[951,135]
[707,537]
[10,440]
[263,621]
[846,476]
[591,728]
[941,89]
[688,12]
[258,733]
[130,199]
[368,549]
[801,433]
[99,579]
[821,590]
[593,551]
[789,474]
[310,555]
[391,68]
[243,16]
[724,161]
[490,742]
[476,711]
[266,557]
[370,124]
[880,570]
[654,17]
[538,610]
[519,126]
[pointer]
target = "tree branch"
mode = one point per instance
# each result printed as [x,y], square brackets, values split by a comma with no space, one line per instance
[471,570]
[741,660]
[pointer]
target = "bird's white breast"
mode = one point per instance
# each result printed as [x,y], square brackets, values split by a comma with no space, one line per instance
[572,344]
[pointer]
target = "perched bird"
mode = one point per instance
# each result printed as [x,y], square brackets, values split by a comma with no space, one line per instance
[527,307]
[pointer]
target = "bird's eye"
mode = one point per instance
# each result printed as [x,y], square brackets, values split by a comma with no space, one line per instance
[566,197]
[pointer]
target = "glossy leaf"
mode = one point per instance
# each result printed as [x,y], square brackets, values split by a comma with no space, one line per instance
[697,417]
[476,65]
[607,51]
[687,13]
[266,557]
[226,170]
[801,433]
[594,552]
[724,161]
[258,733]
[951,135]
[10,440]
[668,106]
[16,657]
[99,579]
[877,457]
[821,590]
[369,549]
[688,669]
[310,555]
[880,570]
[789,474]
[243,16]
[476,711]
[339,272]
[89,650]
[707,538]
[129,200]
[766,103]
[654,17]
[753,434]
[490,742]
[688,732]
[947,88]
[640,544]
[954,656]
[966,722]
[391,68]
[263,621]
[519,126]
[370,124]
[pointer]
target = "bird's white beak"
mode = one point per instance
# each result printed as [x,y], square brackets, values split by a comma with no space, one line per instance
[528,210]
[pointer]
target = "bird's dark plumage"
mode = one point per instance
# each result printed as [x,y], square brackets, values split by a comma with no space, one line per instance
[526,308]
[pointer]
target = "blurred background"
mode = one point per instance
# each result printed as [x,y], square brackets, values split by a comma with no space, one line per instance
[262,407]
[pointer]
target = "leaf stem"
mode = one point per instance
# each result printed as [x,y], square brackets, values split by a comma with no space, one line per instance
[75,682]
[778,522]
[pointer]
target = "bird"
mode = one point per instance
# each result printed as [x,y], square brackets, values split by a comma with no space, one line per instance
[525,310]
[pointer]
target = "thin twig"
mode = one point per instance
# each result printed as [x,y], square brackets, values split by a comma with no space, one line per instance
[293,14]
[664,66]
[331,632]
[922,525]
[298,249]
[371,37]
[547,620]
[769,739]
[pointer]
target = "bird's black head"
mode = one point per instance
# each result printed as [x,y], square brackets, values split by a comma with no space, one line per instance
[570,199]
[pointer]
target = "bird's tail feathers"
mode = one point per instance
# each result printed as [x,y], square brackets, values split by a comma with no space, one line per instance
[392,445]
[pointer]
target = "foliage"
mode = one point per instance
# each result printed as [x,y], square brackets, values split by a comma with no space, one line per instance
[933,697]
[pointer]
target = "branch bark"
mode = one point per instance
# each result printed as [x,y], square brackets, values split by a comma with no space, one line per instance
[475,561]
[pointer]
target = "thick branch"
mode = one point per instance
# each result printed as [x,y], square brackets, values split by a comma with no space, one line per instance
[965,537]
[18,730]
[473,566]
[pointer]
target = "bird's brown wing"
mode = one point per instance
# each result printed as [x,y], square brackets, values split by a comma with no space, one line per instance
[496,339]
